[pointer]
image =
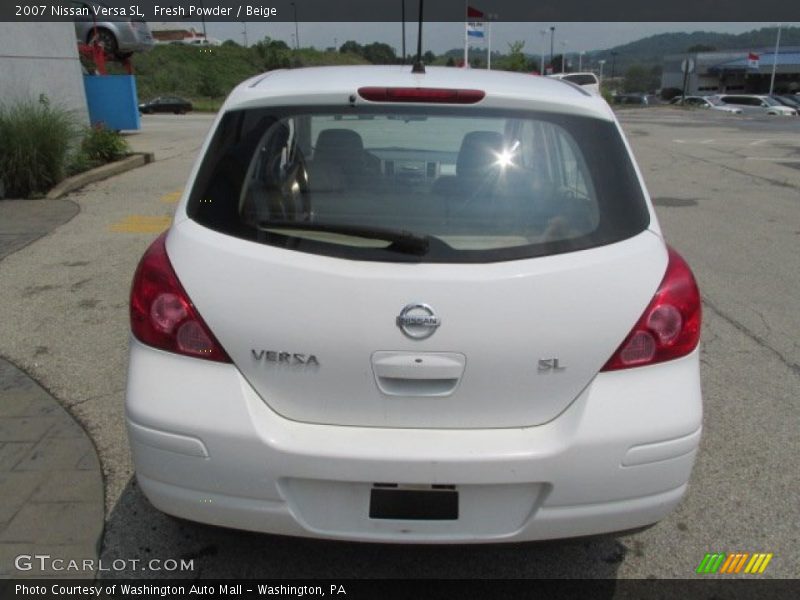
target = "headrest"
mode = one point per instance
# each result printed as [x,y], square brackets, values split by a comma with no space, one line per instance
[479,150]
[337,142]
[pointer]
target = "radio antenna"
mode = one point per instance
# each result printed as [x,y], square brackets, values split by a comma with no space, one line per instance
[419,66]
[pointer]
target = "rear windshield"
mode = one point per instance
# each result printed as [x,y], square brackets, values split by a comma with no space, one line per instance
[425,184]
[582,79]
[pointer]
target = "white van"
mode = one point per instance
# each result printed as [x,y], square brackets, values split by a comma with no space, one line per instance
[456,320]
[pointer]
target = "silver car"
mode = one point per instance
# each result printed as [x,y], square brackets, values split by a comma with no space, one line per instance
[755,104]
[708,102]
[120,36]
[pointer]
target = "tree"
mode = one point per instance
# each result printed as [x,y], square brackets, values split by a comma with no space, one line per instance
[352,47]
[516,61]
[379,53]
[274,54]
[637,79]
[701,48]
[428,57]
[450,62]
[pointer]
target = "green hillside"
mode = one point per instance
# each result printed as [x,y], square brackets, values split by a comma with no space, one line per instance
[208,74]
[651,50]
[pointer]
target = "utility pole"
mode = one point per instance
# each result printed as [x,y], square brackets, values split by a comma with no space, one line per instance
[544,50]
[205,36]
[244,33]
[580,60]
[403,20]
[552,35]
[775,60]
[296,29]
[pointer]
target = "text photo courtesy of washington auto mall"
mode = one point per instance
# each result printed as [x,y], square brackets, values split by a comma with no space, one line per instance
[399,299]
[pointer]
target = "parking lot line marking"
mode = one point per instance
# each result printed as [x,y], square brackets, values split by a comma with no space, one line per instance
[758,142]
[774,159]
[172,197]
[141,224]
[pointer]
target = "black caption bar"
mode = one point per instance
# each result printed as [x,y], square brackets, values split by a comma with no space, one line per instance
[391,10]
[436,589]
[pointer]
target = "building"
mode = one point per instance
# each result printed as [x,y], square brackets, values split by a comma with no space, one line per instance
[739,71]
[30,69]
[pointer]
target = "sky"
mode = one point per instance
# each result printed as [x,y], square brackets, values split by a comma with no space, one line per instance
[440,37]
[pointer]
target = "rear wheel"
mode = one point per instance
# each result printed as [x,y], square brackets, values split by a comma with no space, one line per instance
[106,39]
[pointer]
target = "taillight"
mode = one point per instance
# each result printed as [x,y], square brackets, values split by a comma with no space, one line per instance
[427,95]
[669,327]
[162,315]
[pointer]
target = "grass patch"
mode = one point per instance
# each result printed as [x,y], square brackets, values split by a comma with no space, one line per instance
[211,105]
[36,140]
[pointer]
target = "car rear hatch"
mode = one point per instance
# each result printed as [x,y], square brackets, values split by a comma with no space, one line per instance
[318,337]
[417,266]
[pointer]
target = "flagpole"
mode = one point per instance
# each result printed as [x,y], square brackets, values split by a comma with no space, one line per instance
[775,60]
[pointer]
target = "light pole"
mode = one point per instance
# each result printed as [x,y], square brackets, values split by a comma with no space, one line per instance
[601,62]
[552,34]
[296,29]
[580,60]
[202,6]
[403,21]
[775,60]
[544,50]
[563,55]
[244,33]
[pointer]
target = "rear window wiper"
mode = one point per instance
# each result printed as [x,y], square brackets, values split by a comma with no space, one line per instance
[401,240]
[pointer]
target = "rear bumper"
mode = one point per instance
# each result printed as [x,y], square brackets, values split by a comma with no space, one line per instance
[207,448]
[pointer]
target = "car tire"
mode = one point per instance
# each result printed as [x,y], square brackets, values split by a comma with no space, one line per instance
[106,39]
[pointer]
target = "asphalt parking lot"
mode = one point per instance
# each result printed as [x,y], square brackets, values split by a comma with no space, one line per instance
[727,191]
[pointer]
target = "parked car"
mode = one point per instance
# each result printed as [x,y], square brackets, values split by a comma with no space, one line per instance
[166,104]
[708,102]
[631,99]
[457,321]
[120,36]
[788,100]
[755,104]
[587,80]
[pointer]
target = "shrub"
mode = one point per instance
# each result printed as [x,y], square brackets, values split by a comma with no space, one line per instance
[35,138]
[103,145]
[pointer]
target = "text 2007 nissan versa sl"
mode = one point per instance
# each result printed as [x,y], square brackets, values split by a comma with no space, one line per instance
[414,307]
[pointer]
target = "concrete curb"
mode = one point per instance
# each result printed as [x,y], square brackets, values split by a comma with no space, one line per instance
[82,179]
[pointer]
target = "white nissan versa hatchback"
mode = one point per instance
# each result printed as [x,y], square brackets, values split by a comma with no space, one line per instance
[409,307]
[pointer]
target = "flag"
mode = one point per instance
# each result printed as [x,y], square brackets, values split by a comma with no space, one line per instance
[475,29]
[752,60]
[474,22]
